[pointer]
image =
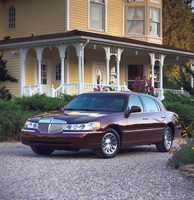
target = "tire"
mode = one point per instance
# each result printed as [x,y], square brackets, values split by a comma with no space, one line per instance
[166,143]
[110,144]
[42,150]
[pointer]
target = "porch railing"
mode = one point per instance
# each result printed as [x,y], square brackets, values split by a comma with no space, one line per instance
[160,93]
[72,88]
[31,90]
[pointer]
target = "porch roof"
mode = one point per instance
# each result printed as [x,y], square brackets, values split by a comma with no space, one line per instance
[96,38]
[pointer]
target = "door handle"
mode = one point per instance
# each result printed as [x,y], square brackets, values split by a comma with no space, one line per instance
[145,118]
[163,117]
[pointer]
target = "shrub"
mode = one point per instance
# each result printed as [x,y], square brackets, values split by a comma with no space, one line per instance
[181,105]
[12,118]
[41,102]
[13,114]
[4,94]
[143,86]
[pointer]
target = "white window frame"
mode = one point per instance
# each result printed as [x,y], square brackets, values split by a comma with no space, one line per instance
[11,17]
[104,4]
[57,73]
[158,23]
[143,20]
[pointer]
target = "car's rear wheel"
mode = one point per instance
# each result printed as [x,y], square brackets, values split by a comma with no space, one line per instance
[42,150]
[166,143]
[110,144]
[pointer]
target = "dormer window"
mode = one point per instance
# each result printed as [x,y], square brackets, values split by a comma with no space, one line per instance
[11,17]
[135,20]
[97,15]
[154,22]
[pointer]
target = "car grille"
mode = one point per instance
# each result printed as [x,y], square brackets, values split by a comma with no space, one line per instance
[50,128]
[50,125]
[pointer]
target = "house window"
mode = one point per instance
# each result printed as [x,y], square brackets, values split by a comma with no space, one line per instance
[44,74]
[11,17]
[135,20]
[154,22]
[97,14]
[58,72]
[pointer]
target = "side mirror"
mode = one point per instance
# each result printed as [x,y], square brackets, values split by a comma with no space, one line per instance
[135,109]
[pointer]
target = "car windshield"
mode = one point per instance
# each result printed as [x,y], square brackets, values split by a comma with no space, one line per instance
[98,102]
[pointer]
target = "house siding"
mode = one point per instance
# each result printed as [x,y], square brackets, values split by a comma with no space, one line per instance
[2,21]
[36,17]
[78,14]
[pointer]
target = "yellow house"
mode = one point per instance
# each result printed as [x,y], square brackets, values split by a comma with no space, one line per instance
[71,46]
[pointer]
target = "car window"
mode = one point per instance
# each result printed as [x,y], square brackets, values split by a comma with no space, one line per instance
[135,101]
[150,104]
[98,102]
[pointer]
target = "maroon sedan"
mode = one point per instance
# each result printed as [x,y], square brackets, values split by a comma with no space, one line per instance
[104,122]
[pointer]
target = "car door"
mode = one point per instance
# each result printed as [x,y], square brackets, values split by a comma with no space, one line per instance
[156,117]
[138,123]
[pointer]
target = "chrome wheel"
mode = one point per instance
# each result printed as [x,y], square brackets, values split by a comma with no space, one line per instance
[109,143]
[168,139]
[166,142]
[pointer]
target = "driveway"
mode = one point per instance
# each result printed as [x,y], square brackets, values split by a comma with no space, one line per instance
[138,173]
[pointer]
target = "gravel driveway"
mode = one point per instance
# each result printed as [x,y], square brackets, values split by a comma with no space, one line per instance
[138,173]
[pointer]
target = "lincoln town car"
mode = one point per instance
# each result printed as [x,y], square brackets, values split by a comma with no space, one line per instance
[103,122]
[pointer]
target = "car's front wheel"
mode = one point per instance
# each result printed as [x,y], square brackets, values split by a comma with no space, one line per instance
[42,150]
[110,144]
[166,143]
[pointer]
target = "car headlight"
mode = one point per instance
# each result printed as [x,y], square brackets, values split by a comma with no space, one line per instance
[32,125]
[84,126]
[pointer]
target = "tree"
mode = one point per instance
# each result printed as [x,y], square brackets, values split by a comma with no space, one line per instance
[177,24]
[4,76]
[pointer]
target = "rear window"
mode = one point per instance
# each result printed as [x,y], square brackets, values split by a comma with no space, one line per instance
[150,104]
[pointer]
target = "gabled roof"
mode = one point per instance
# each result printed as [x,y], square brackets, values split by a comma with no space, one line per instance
[78,35]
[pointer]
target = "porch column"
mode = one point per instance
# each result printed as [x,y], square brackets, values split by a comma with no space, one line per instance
[192,69]
[162,57]
[62,50]
[152,58]
[118,59]
[39,51]
[80,54]
[107,50]
[23,53]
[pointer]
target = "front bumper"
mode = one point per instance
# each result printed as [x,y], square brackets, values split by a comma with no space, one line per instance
[63,140]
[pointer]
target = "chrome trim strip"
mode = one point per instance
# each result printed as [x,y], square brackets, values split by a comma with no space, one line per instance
[153,129]
[81,132]
[26,130]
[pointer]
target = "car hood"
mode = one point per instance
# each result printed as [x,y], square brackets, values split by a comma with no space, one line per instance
[71,116]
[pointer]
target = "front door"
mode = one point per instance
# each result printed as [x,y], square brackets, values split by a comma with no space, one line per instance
[99,73]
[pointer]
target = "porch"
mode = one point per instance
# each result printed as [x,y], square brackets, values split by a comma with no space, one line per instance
[77,65]
[73,88]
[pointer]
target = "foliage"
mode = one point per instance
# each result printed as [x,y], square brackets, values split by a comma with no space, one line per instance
[182,153]
[143,85]
[4,76]
[102,88]
[181,105]
[4,94]
[40,102]
[13,114]
[177,26]
[177,77]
